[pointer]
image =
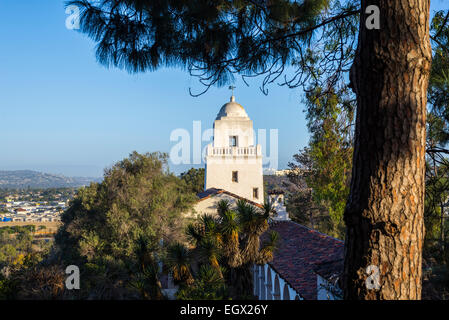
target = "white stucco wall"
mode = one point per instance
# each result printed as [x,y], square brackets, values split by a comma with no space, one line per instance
[277,201]
[265,288]
[209,205]
[226,127]
[250,175]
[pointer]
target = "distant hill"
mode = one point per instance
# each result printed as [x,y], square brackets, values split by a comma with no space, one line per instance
[20,179]
[273,182]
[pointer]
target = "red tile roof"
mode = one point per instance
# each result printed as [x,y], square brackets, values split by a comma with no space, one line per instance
[303,251]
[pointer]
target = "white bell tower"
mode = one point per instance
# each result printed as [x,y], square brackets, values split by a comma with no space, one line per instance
[233,162]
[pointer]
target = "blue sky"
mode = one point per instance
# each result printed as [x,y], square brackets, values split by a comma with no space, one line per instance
[62,112]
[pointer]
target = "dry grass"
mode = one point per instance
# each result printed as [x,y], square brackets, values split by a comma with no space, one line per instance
[50,227]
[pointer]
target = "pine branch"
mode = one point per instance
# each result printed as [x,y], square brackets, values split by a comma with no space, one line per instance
[442,26]
[444,47]
[322,24]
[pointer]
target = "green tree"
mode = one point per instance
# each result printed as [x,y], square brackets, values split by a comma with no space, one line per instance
[437,184]
[436,245]
[302,206]
[194,178]
[329,120]
[113,229]
[20,259]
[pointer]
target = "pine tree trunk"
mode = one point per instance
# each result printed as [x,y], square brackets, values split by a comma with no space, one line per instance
[384,213]
[442,239]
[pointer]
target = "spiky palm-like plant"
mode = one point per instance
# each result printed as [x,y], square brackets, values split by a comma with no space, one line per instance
[208,285]
[268,248]
[268,210]
[178,262]
[232,240]
[146,280]
[208,241]
[210,250]
[229,228]
[253,223]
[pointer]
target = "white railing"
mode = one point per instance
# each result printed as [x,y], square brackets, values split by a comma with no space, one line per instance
[234,151]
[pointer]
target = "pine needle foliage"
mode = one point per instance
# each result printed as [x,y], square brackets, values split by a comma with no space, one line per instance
[216,39]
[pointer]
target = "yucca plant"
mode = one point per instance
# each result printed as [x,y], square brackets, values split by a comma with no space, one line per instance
[178,262]
[253,223]
[146,280]
[208,285]
[231,242]
[266,254]
[230,228]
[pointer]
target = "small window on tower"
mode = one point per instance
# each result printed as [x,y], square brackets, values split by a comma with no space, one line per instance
[233,141]
[235,176]
[256,193]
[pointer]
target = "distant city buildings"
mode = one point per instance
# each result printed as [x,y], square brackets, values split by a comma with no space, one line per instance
[33,209]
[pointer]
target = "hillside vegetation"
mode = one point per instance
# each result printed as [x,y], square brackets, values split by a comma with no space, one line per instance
[20,179]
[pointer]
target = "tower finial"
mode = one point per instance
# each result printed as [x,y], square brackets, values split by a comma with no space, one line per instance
[232,97]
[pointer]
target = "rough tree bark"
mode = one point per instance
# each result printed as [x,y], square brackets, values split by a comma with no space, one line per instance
[384,213]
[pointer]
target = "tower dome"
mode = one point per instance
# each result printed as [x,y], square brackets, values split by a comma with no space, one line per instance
[232,109]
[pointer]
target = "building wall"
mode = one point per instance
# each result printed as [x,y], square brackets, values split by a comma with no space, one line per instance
[241,127]
[219,175]
[268,285]
[209,205]
[277,202]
